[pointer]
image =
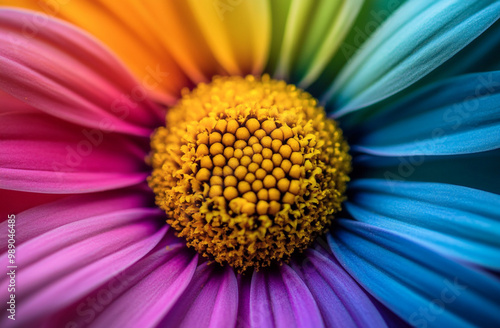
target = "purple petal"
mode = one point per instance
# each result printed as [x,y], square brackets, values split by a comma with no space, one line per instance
[279,298]
[342,302]
[211,300]
[156,281]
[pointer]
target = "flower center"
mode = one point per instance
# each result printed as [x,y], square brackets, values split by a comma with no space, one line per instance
[249,170]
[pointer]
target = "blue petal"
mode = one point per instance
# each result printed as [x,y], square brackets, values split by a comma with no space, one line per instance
[456,116]
[418,284]
[481,55]
[460,222]
[478,171]
[418,38]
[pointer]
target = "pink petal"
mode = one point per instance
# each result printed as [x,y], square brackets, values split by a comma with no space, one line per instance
[70,287]
[73,232]
[44,218]
[11,104]
[43,154]
[61,70]
[66,263]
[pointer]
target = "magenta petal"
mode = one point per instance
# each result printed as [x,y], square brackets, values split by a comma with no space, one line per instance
[225,305]
[35,222]
[343,303]
[279,298]
[210,300]
[66,249]
[85,182]
[58,269]
[158,280]
[71,233]
[63,71]
[20,201]
[43,154]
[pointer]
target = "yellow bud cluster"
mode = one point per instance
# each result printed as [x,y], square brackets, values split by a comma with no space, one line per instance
[248,170]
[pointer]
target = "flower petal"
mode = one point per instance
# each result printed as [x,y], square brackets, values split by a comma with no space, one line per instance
[11,104]
[419,37]
[66,263]
[368,20]
[68,158]
[311,35]
[478,170]
[323,35]
[60,70]
[456,116]
[20,201]
[297,19]
[279,298]
[279,15]
[36,221]
[184,40]
[460,222]
[478,56]
[44,230]
[133,38]
[415,282]
[342,302]
[158,281]
[210,300]
[317,55]
[238,32]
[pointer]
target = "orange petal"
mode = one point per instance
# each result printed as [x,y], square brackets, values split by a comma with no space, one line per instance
[189,40]
[120,27]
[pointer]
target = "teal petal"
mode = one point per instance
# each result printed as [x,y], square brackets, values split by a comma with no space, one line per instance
[418,284]
[481,55]
[371,16]
[418,38]
[457,221]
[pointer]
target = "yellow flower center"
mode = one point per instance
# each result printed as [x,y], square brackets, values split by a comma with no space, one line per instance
[249,170]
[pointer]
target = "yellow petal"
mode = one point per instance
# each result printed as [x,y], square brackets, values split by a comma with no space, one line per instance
[176,27]
[237,31]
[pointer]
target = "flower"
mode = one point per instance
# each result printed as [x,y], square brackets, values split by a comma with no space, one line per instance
[413,86]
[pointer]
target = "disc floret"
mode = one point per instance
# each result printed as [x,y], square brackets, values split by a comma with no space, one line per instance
[249,170]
